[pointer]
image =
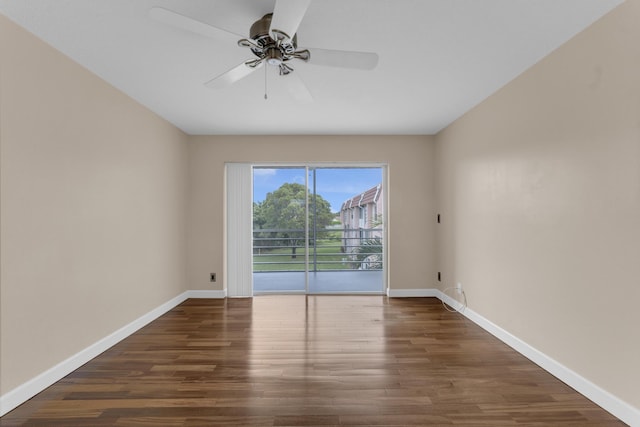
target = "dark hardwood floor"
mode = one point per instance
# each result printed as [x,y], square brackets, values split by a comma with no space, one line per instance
[316,360]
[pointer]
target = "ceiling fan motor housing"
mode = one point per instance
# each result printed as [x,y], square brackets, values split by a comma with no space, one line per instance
[268,45]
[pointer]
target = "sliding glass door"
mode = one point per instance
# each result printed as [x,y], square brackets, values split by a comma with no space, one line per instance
[280,218]
[318,229]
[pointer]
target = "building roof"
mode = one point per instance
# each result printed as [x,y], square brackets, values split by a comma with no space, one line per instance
[372,195]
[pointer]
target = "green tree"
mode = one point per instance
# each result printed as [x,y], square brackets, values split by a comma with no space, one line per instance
[284,209]
[258,216]
[258,224]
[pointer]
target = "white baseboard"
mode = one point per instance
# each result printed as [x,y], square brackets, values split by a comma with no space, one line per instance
[207,294]
[412,293]
[26,391]
[599,396]
[591,391]
[606,400]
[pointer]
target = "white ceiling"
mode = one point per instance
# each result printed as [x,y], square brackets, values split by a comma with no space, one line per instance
[438,58]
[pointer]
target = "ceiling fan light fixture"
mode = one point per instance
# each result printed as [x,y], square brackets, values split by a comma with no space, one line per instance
[253,63]
[285,69]
[304,55]
[274,56]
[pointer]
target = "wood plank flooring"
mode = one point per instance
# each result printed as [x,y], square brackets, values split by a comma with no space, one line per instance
[315,360]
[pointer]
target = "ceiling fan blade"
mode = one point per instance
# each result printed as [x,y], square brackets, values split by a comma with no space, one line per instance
[227,78]
[177,20]
[287,16]
[343,58]
[297,88]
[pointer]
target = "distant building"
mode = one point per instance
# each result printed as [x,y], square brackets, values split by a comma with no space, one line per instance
[361,218]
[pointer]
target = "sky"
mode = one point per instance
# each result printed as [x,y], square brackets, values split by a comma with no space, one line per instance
[334,184]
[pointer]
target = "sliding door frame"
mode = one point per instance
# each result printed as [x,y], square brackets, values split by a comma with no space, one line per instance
[308,166]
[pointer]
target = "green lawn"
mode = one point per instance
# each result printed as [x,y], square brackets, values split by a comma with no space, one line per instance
[328,252]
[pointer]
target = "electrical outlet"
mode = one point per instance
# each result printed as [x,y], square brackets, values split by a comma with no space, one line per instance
[458,286]
[439,277]
[212,278]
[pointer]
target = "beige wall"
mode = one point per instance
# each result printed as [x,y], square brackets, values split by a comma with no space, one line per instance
[411,195]
[539,188]
[92,208]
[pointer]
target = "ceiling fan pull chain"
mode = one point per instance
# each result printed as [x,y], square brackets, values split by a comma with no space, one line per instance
[265,82]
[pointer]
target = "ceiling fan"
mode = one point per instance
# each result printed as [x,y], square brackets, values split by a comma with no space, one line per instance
[273,41]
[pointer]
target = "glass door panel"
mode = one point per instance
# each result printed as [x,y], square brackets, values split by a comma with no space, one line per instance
[318,229]
[346,241]
[279,229]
